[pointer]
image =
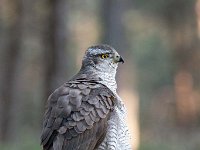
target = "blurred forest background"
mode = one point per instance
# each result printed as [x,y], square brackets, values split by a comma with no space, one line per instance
[42,43]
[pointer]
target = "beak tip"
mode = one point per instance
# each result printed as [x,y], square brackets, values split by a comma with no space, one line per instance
[121,60]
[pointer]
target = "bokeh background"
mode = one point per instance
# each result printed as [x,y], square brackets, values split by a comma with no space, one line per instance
[42,43]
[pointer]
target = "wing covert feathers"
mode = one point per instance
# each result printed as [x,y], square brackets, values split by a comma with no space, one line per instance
[76,116]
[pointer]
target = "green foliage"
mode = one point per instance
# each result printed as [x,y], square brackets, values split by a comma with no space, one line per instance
[26,141]
[155,146]
[153,61]
[162,7]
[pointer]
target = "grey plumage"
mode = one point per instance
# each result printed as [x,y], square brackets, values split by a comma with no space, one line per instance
[79,113]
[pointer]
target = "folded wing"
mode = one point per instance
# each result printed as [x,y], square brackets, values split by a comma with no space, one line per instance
[76,116]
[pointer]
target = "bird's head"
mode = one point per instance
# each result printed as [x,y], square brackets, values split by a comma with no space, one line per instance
[102,58]
[100,63]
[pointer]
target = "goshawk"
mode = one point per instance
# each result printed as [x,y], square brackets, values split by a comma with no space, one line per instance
[86,112]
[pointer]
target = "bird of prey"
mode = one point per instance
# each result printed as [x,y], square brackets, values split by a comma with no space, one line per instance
[86,112]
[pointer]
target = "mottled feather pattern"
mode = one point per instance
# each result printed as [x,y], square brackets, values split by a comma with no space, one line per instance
[74,108]
[118,136]
[86,113]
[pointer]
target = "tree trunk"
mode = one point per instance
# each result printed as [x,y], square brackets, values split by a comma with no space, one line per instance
[184,38]
[57,59]
[10,61]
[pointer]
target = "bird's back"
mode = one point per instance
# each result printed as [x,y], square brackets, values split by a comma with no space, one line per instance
[76,116]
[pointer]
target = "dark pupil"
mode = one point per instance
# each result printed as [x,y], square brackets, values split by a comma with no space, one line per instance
[104,56]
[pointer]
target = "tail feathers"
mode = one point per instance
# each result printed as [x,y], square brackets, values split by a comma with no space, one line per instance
[49,144]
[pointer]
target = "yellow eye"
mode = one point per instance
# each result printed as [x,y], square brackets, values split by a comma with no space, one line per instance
[103,56]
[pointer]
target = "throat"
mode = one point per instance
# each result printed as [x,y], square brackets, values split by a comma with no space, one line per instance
[108,79]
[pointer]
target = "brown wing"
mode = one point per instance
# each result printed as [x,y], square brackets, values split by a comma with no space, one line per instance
[76,117]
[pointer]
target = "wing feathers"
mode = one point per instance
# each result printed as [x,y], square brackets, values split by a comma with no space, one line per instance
[76,112]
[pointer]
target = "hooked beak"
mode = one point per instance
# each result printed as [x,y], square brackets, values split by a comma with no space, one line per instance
[121,59]
[118,59]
